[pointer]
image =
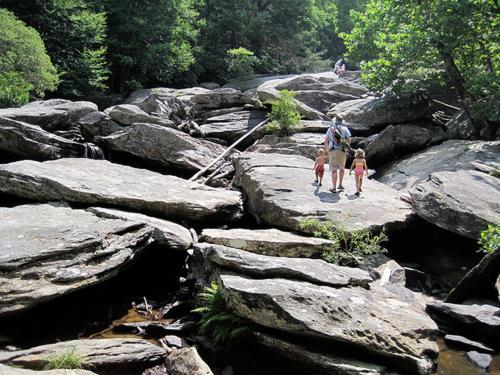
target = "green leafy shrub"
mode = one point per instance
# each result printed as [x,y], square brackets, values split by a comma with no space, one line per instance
[347,248]
[219,324]
[23,51]
[241,62]
[490,239]
[284,114]
[69,359]
[14,90]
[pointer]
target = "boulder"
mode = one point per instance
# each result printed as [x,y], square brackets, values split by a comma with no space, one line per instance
[102,356]
[99,182]
[166,233]
[52,251]
[448,156]
[318,360]
[128,114]
[315,271]
[374,322]
[480,322]
[396,141]
[281,193]
[210,85]
[391,273]
[326,81]
[322,100]
[164,94]
[163,146]
[7,370]
[303,144]
[50,115]
[378,111]
[232,126]
[221,98]
[98,124]
[32,142]
[267,242]
[463,202]
[186,361]
[253,81]
[480,359]
[480,280]
[465,343]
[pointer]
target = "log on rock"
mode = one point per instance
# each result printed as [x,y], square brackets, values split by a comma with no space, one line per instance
[102,355]
[99,182]
[32,142]
[51,251]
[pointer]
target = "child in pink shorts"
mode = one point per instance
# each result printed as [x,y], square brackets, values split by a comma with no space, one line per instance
[319,166]
[359,166]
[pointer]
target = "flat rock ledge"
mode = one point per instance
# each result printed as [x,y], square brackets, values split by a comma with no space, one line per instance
[100,355]
[315,271]
[272,242]
[7,370]
[311,310]
[171,235]
[280,192]
[99,182]
[464,202]
[50,251]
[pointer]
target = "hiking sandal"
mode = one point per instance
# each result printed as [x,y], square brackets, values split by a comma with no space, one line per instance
[333,190]
[341,187]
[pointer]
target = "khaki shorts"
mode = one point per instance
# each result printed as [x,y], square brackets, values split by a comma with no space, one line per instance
[336,159]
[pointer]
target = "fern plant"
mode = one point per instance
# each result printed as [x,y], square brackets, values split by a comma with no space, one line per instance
[69,359]
[347,248]
[219,324]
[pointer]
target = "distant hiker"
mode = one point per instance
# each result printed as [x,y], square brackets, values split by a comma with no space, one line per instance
[337,142]
[359,166]
[339,68]
[319,166]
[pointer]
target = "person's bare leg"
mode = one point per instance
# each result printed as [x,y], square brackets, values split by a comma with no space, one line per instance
[341,178]
[334,179]
[360,182]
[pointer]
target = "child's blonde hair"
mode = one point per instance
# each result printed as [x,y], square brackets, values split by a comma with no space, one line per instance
[321,152]
[360,154]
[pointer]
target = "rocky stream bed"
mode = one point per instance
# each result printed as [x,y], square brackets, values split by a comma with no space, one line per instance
[105,242]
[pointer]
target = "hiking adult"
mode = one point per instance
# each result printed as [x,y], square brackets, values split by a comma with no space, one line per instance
[337,141]
[339,67]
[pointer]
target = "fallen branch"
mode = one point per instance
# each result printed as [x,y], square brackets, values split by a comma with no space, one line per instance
[227,151]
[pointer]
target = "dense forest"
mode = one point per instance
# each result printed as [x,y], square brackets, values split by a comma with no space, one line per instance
[85,48]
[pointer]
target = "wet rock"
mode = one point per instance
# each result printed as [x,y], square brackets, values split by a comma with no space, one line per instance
[175,341]
[32,142]
[396,141]
[99,182]
[50,115]
[465,343]
[167,233]
[378,111]
[480,322]
[448,156]
[375,321]
[98,124]
[169,148]
[315,271]
[314,359]
[104,355]
[303,144]
[128,114]
[479,359]
[52,251]
[186,361]
[7,370]
[281,193]
[267,242]
[232,126]
[177,309]
[179,327]
[480,279]
[463,202]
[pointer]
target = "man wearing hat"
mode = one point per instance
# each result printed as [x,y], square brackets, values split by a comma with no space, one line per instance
[337,141]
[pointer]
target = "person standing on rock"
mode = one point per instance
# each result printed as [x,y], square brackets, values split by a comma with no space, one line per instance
[337,142]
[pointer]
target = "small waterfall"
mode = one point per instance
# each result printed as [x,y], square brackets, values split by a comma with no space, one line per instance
[92,151]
